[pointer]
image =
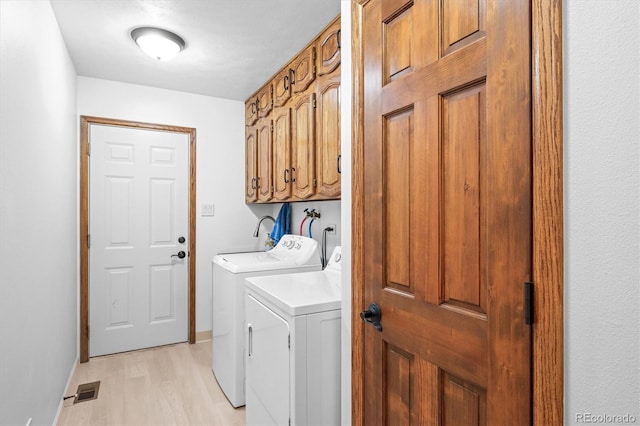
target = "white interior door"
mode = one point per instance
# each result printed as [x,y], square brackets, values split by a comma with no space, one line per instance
[138,210]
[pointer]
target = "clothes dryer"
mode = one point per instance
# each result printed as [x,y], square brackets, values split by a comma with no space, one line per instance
[293,347]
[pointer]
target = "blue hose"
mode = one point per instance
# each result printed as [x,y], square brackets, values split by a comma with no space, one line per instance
[311,223]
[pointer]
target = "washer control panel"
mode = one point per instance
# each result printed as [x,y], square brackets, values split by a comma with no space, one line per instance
[295,247]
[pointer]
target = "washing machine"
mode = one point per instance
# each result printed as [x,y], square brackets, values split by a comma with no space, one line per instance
[293,253]
[293,347]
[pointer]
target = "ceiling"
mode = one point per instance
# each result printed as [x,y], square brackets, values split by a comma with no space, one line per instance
[232,46]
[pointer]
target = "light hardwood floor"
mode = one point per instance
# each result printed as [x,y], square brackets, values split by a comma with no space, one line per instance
[169,385]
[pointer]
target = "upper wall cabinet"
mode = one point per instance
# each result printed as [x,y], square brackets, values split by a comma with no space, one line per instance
[293,127]
[304,69]
[328,49]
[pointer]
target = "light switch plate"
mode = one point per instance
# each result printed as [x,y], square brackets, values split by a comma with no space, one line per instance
[207,209]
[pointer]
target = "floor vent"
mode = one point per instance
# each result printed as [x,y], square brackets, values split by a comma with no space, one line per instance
[87,392]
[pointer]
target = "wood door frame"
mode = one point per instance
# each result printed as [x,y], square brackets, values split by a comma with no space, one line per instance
[85,122]
[547,212]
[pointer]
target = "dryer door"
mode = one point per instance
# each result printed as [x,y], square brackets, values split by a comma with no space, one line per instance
[267,365]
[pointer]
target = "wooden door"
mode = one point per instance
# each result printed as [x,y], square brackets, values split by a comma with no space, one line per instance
[447,201]
[265,100]
[328,130]
[303,70]
[329,49]
[138,210]
[264,182]
[251,164]
[281,153]
[303,146]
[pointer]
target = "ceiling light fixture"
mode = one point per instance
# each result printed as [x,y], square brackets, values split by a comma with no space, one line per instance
[158,43]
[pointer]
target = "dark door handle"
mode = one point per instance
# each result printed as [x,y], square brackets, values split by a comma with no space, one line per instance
[180,255]
[373,315]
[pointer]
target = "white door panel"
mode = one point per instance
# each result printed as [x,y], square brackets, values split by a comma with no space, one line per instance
[138,208]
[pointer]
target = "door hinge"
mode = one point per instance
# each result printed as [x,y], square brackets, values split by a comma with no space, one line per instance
[88,334]
[88,240]
[315,182]
[289,341]
[528,303]
[89,149]
[313,100]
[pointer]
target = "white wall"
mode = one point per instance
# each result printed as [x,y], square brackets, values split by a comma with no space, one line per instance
[219,125]
[602,229]
[38,205]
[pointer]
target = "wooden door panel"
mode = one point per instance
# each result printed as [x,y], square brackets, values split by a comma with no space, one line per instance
[251,162]
[446,175]
[303,146]
[328,142]
[462,402]
[251,111]
[464,234]
[265,100]
[282,153]
[397,146]
[304,70]
[264,155]
[329,49]
[463,23]
[282,87]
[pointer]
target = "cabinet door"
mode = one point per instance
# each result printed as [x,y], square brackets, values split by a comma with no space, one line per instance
[251,111]
[303,146]
[328,143]
[264,182]
[282,153]
[265,100]
[282,87]
[329,49]
[250,167]
[304,70]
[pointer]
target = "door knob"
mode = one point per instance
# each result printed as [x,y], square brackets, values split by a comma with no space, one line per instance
[373,315]
[181,255]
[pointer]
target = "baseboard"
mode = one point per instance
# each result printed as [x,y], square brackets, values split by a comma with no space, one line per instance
[66,389]
[203,336]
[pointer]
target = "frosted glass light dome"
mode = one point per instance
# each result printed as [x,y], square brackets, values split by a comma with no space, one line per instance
[158,43]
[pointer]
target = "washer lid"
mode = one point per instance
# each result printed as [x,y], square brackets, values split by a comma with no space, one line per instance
[299,293]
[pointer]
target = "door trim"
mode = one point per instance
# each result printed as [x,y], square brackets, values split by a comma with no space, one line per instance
[85,122]
[547,209]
